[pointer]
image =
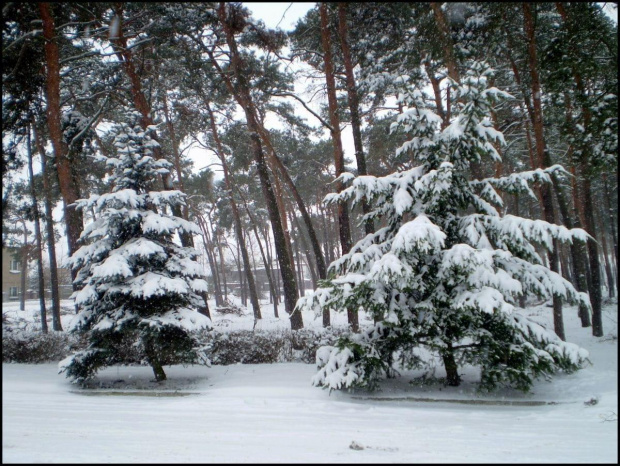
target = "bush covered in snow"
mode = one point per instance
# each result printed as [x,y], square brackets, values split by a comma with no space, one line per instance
[34,347]
[446,271]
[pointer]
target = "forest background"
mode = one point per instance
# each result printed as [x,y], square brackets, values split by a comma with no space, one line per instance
[237,90]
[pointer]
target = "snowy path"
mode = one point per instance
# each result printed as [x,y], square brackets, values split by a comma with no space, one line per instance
[270,413]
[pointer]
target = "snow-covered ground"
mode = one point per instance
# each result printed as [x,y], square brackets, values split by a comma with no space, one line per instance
[271,413]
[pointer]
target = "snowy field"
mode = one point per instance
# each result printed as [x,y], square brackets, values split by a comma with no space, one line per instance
[270,413]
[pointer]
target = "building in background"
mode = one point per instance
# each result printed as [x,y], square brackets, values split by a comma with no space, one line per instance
[11,275]
[12,279]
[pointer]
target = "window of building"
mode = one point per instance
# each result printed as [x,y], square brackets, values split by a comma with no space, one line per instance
[15,266]
[13,292]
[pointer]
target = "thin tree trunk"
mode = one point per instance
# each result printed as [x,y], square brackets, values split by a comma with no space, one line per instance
[37,236]
[275,276]
[356,124]
[223,266]
[612,217]
[309,257]
[49,224]
[603,240]
[343,215]
[578,253]
[236,218]
[437,93]
[209,250]
[244,298]
[272,290]
[175,151]
[24,272]
[595,274]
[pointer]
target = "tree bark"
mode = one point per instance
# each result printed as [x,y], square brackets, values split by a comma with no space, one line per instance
[37,235]
[542,156]
[309,257]
[175,151]
[602,237]
[589,223]
[578,254]
[24,271]
[49,223]
[343,215]
[612,217]
[354,105]
[452,375]
[437,93]
[446,41]
[73,217]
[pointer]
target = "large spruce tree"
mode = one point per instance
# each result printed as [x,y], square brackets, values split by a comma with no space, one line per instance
[443,276]
[136,286]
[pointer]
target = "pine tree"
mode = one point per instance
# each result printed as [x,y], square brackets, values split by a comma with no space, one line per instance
[443,277]
[136,285]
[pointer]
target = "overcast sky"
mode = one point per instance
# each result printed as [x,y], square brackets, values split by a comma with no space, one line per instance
[281,14]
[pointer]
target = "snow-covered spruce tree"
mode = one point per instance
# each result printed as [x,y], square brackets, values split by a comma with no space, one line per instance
[137,286]
[443,276]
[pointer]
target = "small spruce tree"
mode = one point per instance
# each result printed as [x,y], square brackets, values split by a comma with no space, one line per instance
[443,276]
[137,286]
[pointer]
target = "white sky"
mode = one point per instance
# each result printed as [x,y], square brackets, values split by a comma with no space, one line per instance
[281,14]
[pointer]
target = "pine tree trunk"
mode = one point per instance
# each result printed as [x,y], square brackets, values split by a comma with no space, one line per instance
[452,375]
[73,217]
[543,157]
[24,271]
[589,224]
[578,253]
[343,215]
[49,223]
[446,41]
[268,272]
[153,360]
[209,250]
[602,237]
[277,163]
[242,94]
[356,124]
[437,93]
[595,274]
[309,257]
[612,220]
[37,235]
[223,266]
